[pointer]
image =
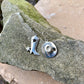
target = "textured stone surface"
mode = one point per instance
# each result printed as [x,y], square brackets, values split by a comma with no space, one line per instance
[2,81]
[67,66]
[66,15]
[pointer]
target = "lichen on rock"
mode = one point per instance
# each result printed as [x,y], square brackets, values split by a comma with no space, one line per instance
[20,25]
[29,10]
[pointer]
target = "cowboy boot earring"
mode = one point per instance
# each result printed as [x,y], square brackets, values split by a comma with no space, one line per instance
[34,44]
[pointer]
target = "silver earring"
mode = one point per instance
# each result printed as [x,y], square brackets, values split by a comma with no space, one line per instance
[34,44]
[49,49]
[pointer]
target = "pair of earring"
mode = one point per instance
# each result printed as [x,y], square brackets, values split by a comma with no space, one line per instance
[48,48]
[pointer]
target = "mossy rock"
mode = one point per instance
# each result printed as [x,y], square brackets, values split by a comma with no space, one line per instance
[29,10]
[67,66]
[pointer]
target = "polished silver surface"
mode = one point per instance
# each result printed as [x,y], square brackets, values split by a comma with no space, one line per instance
[49,49]
[28,49]
[34,44]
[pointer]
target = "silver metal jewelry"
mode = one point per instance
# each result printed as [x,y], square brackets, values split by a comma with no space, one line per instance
[49,49]
[34,44]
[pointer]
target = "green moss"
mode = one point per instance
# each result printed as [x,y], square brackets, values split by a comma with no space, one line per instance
[29,10]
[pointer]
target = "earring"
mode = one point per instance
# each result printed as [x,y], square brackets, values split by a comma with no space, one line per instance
[49,49]
[34,44]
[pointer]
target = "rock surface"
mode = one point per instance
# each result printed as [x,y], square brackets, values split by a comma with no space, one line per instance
[20,26]
[16,75]
[2,81]
[67,15]
[1,22]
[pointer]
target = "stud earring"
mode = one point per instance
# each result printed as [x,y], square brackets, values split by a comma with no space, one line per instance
[34,44]
[49,49]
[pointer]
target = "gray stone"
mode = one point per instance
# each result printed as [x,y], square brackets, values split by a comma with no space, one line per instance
[2,81]
[67,66]
[1,22]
